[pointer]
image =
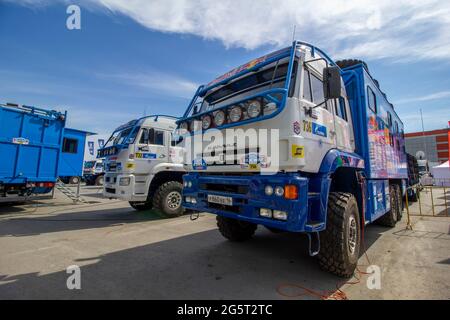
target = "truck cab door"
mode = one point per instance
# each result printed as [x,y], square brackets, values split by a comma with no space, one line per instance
[319,124]
[343,125]
[152,145]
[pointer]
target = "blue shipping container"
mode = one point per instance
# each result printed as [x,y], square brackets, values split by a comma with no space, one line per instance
[30,144]
[72,155]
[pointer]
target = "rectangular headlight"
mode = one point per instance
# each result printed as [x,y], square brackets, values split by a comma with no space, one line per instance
[125,181]
[280,215]
[267,213]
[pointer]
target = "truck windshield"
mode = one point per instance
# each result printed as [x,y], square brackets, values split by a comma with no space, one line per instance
[119,137]
[89,164]
[270,77]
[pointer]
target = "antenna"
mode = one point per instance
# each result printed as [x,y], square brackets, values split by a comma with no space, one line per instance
[293,33]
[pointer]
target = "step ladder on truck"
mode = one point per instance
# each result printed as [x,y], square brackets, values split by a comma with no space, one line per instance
[335,159]
[144,165]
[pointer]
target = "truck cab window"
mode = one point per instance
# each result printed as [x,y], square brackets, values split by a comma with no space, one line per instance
[144,136]
[317,90]
[307,87]
[340,109]
[70,145]
[372,100]
[156,137]
[152,136]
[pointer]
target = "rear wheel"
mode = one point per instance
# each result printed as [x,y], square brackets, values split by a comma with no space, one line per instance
[168,198]
[141,205]
[74,180]
[389,219]
[235,230]
[340,241]
[99,180]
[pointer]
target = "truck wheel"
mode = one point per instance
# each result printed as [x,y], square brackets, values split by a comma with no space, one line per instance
[74,180]
[140,205]
[167,198]
[235,230]
[340,241]
[389,219]
[99,181]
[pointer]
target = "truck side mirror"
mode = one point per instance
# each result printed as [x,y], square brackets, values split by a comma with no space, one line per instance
[331,82]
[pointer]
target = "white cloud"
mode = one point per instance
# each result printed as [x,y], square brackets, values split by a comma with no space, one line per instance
[428,97]
[402,30]
[157,81]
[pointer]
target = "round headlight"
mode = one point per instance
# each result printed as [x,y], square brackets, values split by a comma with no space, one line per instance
[219,118]
[206,122]
[254,109]
[269,108]
[235,114]
[268,190]
[189,184]
[279,191]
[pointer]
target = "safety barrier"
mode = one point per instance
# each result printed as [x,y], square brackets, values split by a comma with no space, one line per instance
[427,201]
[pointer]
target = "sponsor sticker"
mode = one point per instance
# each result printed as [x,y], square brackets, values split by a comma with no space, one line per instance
[296,127]
[315,128]
[298,152]
[140,155]
[20,141]
[199,164]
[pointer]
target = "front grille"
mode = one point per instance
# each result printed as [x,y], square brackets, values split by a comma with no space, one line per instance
[110,190]
[237,156]
[228,188]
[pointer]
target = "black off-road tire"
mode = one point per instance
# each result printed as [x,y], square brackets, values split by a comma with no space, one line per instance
[141,205]
[339,255]
[99,180]
[162,200]
[350,62]
[235,230]
[389,219]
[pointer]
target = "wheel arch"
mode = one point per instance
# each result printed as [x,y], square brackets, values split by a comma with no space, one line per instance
[345,171]
[162,177]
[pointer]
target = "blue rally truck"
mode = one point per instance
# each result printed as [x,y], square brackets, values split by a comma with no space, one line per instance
[30,148]
[341,161]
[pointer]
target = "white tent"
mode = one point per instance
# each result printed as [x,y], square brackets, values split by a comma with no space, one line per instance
[441,174]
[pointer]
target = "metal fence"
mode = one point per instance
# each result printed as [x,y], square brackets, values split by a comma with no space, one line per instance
[431,200]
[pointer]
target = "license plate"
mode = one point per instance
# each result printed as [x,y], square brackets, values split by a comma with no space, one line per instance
[228,201]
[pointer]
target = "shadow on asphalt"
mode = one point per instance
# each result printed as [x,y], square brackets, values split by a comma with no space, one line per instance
[28,226]
[197,266]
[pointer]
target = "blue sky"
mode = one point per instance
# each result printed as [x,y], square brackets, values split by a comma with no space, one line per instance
[136,57]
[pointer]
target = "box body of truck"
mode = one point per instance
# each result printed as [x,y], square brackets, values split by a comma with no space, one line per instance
[30,149]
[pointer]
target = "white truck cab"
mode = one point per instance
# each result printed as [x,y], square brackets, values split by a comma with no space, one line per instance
[144,165]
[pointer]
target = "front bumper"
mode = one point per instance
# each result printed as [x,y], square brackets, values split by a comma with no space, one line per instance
[113,189]
[248,197]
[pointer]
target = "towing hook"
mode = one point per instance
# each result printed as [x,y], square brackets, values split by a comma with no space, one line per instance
[314,243]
